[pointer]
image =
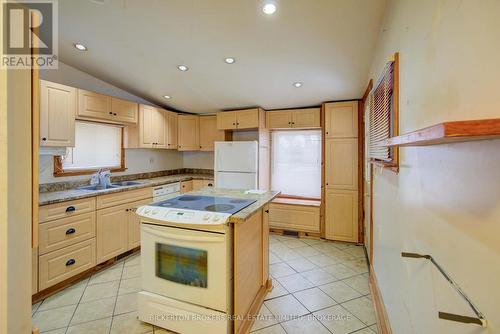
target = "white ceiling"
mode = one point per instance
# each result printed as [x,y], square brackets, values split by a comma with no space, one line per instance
[137,45]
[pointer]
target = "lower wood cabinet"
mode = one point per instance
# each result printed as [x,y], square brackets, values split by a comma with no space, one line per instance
[199,184]
[186,186]
[134,224]
[304,218]
[341,215]
[112,230]
[34,270]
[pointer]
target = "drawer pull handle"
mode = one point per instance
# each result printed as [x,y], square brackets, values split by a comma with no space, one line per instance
[70,262]
[70,209]
[70,231]
[210,185]
[267,211]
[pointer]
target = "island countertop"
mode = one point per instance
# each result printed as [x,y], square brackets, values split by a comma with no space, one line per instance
[243,215]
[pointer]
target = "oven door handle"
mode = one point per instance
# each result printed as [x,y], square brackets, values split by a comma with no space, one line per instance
[163,234]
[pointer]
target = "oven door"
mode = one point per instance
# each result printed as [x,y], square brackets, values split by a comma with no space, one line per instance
[186,265]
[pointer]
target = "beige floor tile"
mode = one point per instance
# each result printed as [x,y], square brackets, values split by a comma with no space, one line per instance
[322,260]
[339,291]
[273,258]
[126,303]
[54,318]
[97,309]
[307,251]
[325,247]
[106,275]
[343,245]
[294,243]
[34,307]
[314,299]
[276,329]
[374,328]
[366,330]
[301,264]
[311,241]
[56,331]
[338,320]
[99,291]
[129,324]
[133,260]
[340,271]
[295,282]
[277,291]
[277,247]
[358,283]
[318,276]
[288,254]
[304,325]
[285,307]
[95,327]
[130,285]
[358,251]
[362,308]
[280,270]
[264,319]
[66,297]
[341,256]
[131,272]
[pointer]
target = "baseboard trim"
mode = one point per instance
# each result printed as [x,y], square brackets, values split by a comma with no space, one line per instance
[383,324]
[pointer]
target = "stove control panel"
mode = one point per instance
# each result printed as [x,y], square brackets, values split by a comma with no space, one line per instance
[183,216]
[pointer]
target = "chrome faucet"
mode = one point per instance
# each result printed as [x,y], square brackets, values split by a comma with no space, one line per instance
[102,178]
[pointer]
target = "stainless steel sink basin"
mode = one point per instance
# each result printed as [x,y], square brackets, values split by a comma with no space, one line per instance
[97,187]
[125,183]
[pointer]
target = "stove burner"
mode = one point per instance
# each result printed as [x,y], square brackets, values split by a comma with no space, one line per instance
[237,201]
[219,207]
[189,198]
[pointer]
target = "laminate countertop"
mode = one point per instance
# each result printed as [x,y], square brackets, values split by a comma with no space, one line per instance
[46,198]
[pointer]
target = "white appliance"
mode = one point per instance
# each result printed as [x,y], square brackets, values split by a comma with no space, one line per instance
[236,164]
[161,192]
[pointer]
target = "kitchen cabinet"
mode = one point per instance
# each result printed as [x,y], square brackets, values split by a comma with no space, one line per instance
[93,105]
[304,218]
[171,130]
[293,118]
[123,111]
[341,163]
[151,129]
[58,107]
[188,127]
[112,230]
[209,133]
[341,215]
[66,209]
[341,119]
[240,119]
[199,184]
[34,271]
[186,186]
[134,224]
[119,198]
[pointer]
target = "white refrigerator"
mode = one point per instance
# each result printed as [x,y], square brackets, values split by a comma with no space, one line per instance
[236,164]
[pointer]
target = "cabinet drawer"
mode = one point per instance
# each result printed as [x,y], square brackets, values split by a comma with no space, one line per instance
[64,232]
[65,209]
[62,264]
[294,217]
[123,197]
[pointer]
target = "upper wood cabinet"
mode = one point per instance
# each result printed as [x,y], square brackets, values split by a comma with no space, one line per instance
[158,128]
[124,111]
[209,133]
[293,118]
[58,104]
[93,105]
[171,130]
[188,127]
[240,119]
[152,125]
[341,119]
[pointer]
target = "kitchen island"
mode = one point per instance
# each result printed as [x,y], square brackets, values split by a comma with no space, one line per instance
[228,262]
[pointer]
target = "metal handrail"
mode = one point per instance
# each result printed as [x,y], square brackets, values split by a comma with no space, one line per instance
[479,320]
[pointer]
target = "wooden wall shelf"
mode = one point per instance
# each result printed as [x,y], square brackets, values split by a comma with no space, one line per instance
[448,132]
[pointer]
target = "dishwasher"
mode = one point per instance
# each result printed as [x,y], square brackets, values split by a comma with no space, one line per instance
[161,192]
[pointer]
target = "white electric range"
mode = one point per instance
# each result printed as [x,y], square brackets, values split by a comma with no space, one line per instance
[186,255]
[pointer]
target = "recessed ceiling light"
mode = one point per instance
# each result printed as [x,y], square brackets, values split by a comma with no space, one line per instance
[168,97]
[80,47]
[183,68]
[269,8]
[230,60]
[297,84]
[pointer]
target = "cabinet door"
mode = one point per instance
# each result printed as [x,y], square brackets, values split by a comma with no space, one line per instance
[198,184]
[112,229]
[188,133]
[209,133]
[94,106]
[186,186]
[341,119]
[57,114]
[306,118]
[247,119]
[124,111]
[146,135]
[279,119]
[341,215]
[265,244]
[226,120]
[341,163]
[134,224]
[171,130]
[34,271]
[159,124]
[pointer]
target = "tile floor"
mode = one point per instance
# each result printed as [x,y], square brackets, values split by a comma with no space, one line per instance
[319,287]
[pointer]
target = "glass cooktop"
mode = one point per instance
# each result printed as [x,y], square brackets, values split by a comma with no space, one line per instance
[206,203]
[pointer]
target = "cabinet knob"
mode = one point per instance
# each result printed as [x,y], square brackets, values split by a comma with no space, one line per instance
[127,210]
[70,262]
[267,211]
[70,231]
[210,185]
[110,113]
[114,114]
[44,139]
[70,209]
[326,132]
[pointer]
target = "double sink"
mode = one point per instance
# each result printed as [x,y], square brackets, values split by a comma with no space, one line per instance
[113,185]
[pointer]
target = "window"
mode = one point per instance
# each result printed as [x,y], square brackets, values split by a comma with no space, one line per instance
[96,146]
[296,163]
[383,120]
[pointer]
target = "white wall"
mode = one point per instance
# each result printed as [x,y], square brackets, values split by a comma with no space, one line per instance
[136,160]
[446,199]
